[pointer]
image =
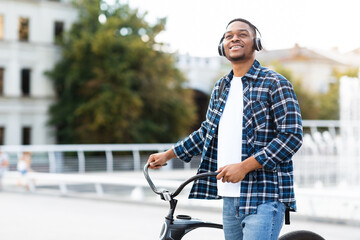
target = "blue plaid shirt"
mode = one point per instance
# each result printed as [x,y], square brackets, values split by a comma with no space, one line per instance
[272,133]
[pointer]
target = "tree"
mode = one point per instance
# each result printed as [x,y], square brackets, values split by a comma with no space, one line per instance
[324,106]
[114,84]
[329,101]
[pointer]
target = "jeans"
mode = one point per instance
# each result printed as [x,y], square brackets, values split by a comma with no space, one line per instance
[265,224]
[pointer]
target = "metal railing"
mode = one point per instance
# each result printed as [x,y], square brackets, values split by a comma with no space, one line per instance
[316,162]
[82,158]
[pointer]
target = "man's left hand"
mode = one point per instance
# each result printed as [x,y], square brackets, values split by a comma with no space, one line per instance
[231,173]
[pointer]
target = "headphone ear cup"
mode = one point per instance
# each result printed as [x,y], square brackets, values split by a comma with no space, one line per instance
[258,45]
[221,49]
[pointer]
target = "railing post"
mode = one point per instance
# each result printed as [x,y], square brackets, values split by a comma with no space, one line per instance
[81,158]
[52,162]
[137,160]
[109,161]
[313,130]
[332,131]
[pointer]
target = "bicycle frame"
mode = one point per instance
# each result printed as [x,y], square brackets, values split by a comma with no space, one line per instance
[176,228]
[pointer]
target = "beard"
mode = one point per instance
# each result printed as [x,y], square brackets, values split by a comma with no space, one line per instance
[240,57]
[237,58]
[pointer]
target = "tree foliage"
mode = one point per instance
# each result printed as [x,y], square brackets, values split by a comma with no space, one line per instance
[329,101]
[113,82]
[324,106]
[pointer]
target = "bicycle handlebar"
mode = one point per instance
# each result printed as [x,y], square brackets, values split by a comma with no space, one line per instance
[148,179]
[181,187]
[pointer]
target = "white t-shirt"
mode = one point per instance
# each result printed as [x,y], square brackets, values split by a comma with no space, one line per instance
[230,136]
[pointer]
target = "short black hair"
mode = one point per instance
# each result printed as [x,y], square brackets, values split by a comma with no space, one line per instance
[253,27]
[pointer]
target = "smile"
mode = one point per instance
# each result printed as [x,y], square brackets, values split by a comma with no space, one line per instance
[236,47]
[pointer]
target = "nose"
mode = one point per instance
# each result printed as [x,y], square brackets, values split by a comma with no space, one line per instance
[235,38]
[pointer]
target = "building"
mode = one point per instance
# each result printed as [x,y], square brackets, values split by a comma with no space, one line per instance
[313,67]
[202,72]
[29,30]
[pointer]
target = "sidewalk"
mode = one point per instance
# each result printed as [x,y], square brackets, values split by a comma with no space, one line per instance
[315,203]
[49,217]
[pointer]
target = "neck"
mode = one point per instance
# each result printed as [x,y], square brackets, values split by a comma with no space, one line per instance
[240,68]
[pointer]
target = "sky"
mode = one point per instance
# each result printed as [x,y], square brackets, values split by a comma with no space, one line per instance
[195,26]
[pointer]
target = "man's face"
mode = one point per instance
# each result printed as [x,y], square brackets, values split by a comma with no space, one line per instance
[238,41]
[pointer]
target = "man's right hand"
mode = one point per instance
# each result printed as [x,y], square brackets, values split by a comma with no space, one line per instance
[157,160]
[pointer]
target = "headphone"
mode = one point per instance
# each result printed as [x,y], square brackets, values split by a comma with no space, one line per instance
[257,40]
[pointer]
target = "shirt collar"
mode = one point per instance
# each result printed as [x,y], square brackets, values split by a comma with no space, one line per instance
[254,71]
[251,74]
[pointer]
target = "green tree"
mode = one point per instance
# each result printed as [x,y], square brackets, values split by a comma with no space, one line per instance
[329,101]
[114,84]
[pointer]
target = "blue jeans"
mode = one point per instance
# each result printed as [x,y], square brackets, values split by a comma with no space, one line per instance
[265,224]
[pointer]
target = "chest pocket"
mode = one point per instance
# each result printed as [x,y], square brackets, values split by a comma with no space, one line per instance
[260,112]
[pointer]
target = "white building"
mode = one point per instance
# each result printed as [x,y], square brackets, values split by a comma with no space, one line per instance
[203,72]
[28,32]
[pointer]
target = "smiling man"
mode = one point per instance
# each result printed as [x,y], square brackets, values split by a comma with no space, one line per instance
[252,129]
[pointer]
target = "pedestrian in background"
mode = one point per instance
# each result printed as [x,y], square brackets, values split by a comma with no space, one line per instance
[4,165]
[23,167]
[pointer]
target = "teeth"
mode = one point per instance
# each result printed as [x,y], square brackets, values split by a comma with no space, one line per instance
[236,47]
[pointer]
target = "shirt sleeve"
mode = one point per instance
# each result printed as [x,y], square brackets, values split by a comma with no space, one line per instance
[191,145]
[288,124]
[194,143]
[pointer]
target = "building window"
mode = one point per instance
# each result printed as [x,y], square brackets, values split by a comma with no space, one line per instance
[1,27]
[24,29]
[26,135]
[2,81]
[58,31]
[2,135]
[25,81]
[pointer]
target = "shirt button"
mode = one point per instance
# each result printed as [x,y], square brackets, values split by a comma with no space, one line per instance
[213,129]
[220,110]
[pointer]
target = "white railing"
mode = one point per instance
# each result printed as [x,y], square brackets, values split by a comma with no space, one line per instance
[61,158]
[317,160]
[330,125]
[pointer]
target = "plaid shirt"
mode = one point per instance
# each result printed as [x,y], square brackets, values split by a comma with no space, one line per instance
[272,133]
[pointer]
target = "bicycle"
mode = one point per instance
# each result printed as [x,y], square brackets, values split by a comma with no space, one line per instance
[176,228]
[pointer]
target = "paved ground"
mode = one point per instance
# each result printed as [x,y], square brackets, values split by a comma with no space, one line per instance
[50,217]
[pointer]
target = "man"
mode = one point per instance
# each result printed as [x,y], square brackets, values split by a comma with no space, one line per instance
[252,129]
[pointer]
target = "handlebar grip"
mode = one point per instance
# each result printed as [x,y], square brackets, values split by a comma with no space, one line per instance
[148,179]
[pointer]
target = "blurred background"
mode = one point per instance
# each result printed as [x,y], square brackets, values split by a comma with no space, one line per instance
[89,88]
